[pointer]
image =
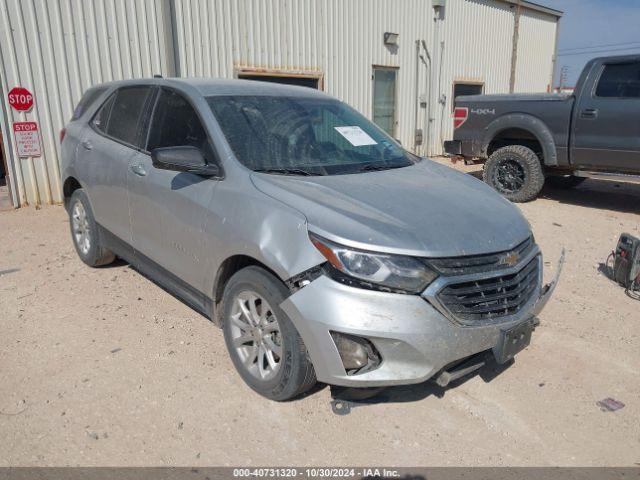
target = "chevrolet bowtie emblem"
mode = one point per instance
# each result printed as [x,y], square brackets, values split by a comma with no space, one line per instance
[510,259]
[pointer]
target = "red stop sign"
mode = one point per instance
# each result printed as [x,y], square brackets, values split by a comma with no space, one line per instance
[21,99]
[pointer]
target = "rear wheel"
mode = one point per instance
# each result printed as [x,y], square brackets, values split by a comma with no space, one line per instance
[516,172]
[264,346]
[564,181]
[84,232]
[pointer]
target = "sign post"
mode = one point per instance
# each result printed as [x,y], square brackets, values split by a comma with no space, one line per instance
[26,134]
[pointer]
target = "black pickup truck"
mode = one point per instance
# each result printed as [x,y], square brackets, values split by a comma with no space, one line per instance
[527,139]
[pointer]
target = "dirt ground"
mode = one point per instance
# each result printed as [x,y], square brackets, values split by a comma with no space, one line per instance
[102,367]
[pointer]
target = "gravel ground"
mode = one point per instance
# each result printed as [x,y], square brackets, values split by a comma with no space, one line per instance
[102,367]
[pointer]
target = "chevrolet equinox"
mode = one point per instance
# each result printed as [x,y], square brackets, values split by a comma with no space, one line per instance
[323,249]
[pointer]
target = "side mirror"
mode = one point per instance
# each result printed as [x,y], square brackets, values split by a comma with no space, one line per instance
[183,159]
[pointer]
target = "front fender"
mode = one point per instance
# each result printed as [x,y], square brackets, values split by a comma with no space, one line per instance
[245,221]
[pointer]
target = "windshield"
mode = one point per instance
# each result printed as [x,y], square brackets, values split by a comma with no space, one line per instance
[304,136]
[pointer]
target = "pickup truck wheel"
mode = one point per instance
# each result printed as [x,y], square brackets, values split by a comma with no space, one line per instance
[564,181]
[516,172]
[84,232]
[265,347]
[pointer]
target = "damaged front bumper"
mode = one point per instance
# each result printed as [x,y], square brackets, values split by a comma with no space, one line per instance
[413,336]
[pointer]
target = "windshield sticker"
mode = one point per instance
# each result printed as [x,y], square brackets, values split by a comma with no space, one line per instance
[356,136]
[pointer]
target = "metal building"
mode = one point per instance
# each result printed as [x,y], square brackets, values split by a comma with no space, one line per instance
[399,62]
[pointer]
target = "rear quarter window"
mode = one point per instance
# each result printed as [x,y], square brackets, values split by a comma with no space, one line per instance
[101,119]
[89,97]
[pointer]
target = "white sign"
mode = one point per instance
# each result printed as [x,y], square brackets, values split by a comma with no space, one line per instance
[27,139]
[356,136]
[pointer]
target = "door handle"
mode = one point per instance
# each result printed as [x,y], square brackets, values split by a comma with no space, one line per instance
[589,113]
[87,145]
[138,170]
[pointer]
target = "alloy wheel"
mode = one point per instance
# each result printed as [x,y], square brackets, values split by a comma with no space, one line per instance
[81,230]
[255,335]
[509,176]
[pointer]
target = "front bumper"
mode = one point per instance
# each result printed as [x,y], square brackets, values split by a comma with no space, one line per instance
[414,336]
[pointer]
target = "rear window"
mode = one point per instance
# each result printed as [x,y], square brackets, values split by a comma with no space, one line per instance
[125,114]
[86,101]
[620,80]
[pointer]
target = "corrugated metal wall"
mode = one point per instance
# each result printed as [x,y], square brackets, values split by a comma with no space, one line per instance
[336,39]
[534,65]
[467,56]
[58,48]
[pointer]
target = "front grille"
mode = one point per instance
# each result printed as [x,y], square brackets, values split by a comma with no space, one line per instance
[491,298]
[479,263]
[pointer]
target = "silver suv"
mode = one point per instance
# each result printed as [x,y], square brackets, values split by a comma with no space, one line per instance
[324,250]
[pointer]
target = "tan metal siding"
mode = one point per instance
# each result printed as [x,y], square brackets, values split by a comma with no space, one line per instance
[478,36]
[536,47]
[467,55]
[59,49]
[336,39]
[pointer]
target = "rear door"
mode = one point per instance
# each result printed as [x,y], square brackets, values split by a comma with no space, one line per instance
[107,145]
[169,208]
[606,132]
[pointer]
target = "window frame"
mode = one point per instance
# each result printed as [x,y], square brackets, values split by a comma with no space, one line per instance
[138,125]
[245,73]
[464,82]
[148,124]
[604,65]
[396,81]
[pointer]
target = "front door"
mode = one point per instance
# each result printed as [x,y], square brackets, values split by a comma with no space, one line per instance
[606,131]
[169,208]
[384,98]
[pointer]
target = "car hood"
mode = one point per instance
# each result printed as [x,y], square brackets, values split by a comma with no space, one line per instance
[425,209]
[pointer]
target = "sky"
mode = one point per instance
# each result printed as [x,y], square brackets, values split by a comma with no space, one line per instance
[594,28]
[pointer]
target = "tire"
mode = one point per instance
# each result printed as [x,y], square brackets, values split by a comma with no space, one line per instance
[515,172]
[84,232]
[286,371]
[564,181]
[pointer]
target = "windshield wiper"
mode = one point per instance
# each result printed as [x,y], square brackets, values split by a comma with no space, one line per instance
[372,167]
[287,171]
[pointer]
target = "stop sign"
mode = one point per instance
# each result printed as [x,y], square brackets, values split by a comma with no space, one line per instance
[21,99]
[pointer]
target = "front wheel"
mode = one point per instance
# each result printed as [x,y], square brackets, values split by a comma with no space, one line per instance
[264,346]
[516,172]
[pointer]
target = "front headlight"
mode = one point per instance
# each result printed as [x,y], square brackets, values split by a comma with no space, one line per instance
[395,272]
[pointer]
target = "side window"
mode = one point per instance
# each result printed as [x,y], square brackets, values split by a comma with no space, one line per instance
[620,80]
[101,119]
[176,124]
[125,114]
